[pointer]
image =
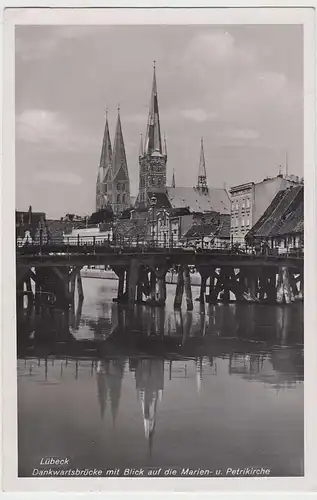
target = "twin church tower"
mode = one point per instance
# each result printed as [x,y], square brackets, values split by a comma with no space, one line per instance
[113,184]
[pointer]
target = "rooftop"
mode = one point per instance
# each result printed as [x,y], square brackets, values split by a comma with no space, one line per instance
[215,199]
[219,226]
[285,215]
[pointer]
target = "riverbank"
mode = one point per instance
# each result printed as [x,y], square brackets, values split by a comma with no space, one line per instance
[171,278]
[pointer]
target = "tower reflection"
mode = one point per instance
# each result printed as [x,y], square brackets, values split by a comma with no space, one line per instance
[149,378]
[109,382]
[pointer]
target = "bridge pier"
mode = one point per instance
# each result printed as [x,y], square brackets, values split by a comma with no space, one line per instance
[20,295]
[153,287]
[188,289]
[284,293]
[161,275]
[262,284]
[271,286]
[29,290]
[241,285]
[202,288]
[161,291]
[133,280]
[301,285]
[213,279]
[120,284]
[293,285]
[252,284]
[80,287]
[179,288]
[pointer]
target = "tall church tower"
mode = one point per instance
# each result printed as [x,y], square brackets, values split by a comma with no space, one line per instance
[104,177]
[153,154]
[202,185]
[120,174]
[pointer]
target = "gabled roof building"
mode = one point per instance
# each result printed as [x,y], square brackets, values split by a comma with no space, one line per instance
[282,224]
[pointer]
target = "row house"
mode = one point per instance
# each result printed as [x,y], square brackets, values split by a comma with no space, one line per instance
[171,224]
[281,226]
[249,201]
[31,227]
[208,231]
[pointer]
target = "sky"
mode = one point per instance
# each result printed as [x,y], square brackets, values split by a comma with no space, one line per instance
[239,87]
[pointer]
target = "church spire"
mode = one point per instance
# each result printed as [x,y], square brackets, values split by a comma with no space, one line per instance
[120,173]
[202,176]
[153,140]
[173,179]
[104,170]
[164,147]
[141,152]
[106,150]
[119,160]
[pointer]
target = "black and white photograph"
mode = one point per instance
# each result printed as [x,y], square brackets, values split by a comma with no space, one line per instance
[159,250]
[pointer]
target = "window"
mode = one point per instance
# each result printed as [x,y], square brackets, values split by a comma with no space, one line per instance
[118,198]
[248,202]
[248,221]
[123,198]
[242,222]
[243,203]
[118,187]
[106,188]
[237,205]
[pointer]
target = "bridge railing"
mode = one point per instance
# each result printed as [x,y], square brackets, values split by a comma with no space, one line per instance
[100,244]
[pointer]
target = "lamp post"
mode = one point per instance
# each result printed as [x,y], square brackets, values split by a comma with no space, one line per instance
[153,202]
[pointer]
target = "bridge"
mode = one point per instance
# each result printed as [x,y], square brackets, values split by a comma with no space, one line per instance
[266,275]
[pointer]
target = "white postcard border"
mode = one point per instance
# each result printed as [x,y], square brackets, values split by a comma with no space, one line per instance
[296,15]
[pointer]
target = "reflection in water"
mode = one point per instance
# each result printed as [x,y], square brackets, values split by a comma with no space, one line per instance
[216,365]
[149,378]
[109,380]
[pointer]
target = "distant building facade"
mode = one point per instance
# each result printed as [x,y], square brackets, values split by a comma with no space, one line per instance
[249,201]
[98,234]
[209,232]
[31,227]
[171,224]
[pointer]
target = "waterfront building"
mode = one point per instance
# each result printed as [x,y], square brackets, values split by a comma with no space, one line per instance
[98,233]
[171,224]
[209,232]
[31,227]
[249,201]
[282,224]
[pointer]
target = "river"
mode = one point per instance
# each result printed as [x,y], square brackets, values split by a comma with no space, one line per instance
[111,387]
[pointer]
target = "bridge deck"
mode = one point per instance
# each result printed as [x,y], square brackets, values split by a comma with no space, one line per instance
[62,256]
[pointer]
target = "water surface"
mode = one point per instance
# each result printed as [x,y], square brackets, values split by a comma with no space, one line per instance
[111,387]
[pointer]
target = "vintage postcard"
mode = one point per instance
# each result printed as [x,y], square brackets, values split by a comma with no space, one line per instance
[157,270]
